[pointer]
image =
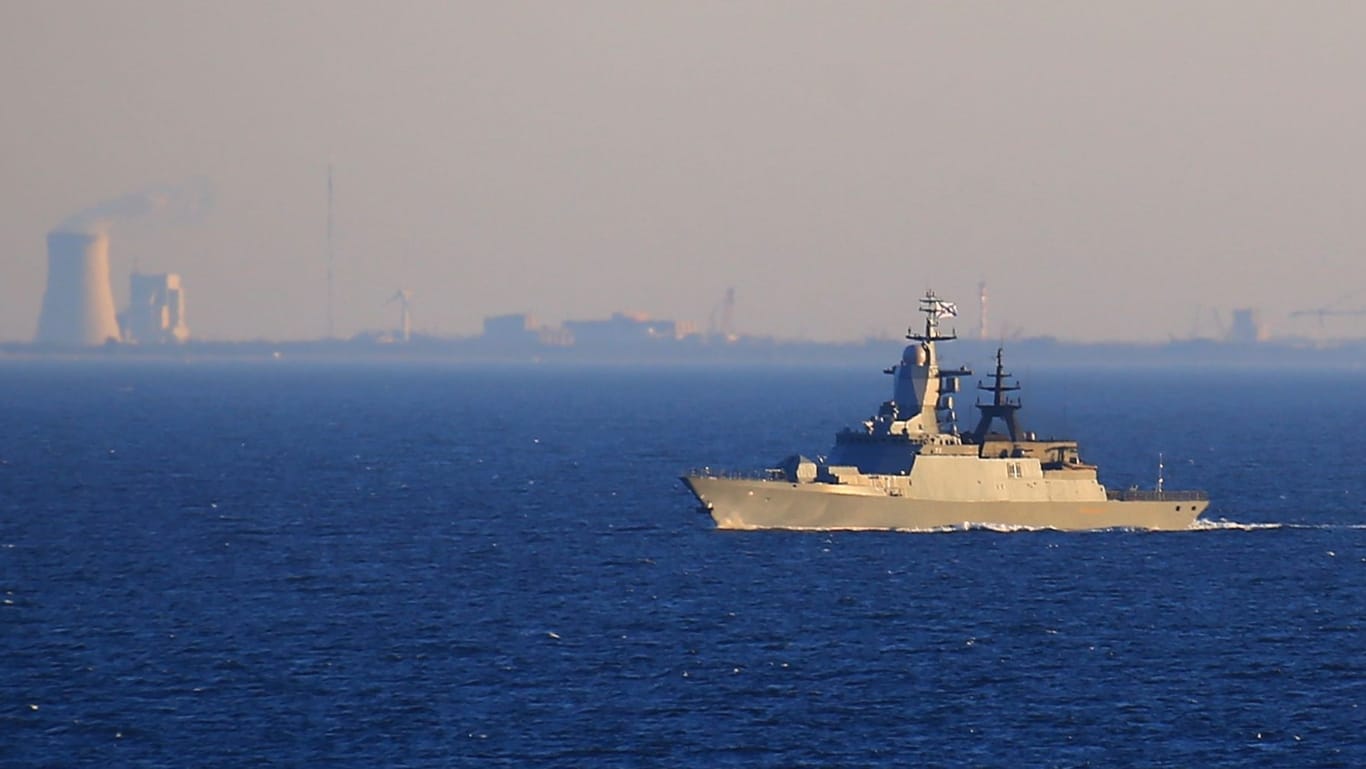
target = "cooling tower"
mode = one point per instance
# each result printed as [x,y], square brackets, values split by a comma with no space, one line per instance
[78,306]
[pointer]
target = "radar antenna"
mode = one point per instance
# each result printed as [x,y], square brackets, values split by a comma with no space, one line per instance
[1001,406]
[934,309]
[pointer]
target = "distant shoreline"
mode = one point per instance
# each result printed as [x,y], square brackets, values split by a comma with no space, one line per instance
[1024,353]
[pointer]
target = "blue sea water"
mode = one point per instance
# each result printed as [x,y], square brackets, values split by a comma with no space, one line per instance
[308,565]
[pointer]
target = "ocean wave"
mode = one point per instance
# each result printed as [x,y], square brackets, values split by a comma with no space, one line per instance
[1223,524]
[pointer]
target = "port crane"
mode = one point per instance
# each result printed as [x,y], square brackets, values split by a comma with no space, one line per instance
[1332,309]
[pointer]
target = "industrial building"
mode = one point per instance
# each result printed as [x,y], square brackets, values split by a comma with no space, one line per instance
[626,328]
[521,329]
[78,305]
[156,310]
[1248,327]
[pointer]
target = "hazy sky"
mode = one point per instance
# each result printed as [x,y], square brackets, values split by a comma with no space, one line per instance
[1112,169]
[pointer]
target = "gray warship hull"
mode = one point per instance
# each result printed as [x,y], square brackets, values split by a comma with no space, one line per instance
[906,469]
[736,503]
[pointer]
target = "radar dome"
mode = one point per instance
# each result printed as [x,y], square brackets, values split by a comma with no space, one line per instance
[914,355]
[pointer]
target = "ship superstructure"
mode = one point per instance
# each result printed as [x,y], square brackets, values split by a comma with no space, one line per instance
[909,466]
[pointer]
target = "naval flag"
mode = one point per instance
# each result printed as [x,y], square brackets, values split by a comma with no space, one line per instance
[946,309]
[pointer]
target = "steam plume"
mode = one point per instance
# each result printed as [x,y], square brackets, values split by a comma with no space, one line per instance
[182,203]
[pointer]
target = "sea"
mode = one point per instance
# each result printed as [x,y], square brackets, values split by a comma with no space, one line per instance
[288,564]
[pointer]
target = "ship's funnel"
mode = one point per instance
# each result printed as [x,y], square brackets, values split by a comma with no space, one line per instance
[78,306]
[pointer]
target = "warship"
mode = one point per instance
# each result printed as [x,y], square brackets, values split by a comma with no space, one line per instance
[903,469]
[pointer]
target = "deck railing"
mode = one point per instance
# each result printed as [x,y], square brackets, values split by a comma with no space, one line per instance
[1150,495]
[772,474]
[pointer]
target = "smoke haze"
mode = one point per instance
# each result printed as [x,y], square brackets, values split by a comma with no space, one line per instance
[183,204]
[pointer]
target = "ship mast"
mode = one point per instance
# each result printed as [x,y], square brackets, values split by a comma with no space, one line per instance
[1001,406]
[917,392]
[934,309]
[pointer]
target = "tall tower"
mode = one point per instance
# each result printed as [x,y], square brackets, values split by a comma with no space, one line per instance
[331,326]
[78,305]
[728,315]
[404,297]
[982,309]
[724,325]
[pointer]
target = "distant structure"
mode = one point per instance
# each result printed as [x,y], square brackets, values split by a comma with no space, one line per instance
[625,327]
[404,297]
[331,328]
[156,310]
[522,330]
[724,325]
[982,310]
[1333,310]
[1248,327]
[78,305]
[1220,330]
[514,328]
